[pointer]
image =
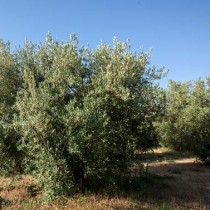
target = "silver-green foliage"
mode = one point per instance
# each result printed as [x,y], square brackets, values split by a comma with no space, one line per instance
[81,114]
[9,82]
[187,120]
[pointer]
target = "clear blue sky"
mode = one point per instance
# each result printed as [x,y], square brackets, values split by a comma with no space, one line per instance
[178,31]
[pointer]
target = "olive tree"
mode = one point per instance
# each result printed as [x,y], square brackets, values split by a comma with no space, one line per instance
[82,114]
[185,126]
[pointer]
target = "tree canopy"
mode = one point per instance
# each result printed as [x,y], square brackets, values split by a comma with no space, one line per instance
[186,123]
[77,116]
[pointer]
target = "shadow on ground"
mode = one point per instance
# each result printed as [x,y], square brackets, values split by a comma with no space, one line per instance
[158,156]
[182,182]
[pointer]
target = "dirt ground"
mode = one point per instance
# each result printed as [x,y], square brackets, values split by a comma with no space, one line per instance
[187,182]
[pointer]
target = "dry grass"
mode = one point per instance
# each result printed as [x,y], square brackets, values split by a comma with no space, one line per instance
[178,184]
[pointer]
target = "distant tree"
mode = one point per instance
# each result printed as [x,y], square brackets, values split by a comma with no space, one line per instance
[186,124]
[177,98]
